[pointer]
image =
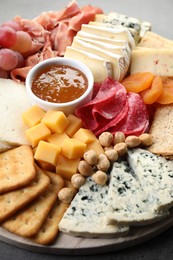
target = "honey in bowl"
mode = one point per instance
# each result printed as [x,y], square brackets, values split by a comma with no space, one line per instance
[59,83]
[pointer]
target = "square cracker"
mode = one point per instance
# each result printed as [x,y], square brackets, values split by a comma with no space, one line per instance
[28,221]
[12,201]
[48,232]
[16,168]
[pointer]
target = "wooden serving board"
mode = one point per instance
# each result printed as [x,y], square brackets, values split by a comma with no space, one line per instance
[68,245]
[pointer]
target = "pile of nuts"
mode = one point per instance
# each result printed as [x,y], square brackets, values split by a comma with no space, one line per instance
[114,146]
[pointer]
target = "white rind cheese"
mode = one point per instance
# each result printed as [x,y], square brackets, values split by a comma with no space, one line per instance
[112,33]
[100,67]
[86,215]
[128,202]
[117,60]
[155,175]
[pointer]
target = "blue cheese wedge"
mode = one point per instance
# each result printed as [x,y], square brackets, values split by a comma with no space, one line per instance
[128,202]
[155,175]
[130,22]
[100,67]
[86,215]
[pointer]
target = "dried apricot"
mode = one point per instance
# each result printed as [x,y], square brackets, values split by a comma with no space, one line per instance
[151,94]
[167,94]
[138,81]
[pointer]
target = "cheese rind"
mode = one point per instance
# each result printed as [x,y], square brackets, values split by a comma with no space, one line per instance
[100,67]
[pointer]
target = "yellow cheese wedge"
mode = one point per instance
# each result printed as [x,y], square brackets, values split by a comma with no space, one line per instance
[66,167]
[56,121]
[33,116]
[157,61]
[47,152]
[37,133]
[73,148]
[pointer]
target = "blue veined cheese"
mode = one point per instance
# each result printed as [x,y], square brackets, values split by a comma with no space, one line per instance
[112,33]
[130,22]
[86,215]
[134,33]
[101,68]
[117,60]
[155,175]
[128,202]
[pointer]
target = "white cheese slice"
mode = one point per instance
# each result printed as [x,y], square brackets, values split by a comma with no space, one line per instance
[155,175]
[112,33]
[157,61]
[100,67]
[124,51]
[128,202]
[86,215]
[117,60]
[84,35]
[133,32]
[157,37]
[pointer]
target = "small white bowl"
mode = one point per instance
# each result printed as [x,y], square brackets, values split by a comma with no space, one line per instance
[67,107]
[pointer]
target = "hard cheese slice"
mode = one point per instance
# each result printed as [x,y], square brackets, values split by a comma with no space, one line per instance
[157,61]
[86,215]
[155,175]
[128,202]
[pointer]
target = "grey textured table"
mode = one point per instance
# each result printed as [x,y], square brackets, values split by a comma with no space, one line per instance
[159,13]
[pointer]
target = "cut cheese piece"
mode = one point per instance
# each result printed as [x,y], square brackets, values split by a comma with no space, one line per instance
[133,32]
[151,36]
[13,102]
[118,63]
[84,35]
[157,61]
[124,51]
[86,215]
[112,33]
[128,202]
[101,68]
[155,175]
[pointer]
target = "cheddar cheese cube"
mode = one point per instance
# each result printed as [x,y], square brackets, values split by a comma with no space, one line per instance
[47,152]
[37,133]
[57,139]
[74,124]
[96,146]
[67,167]
[33,116]
[73,148]
[56,121]
[85,135]
[46,166]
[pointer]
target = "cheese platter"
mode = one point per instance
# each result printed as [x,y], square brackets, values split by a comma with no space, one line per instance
[118,123]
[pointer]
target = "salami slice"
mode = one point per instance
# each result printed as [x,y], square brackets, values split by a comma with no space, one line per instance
[108,102]
[136,120]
